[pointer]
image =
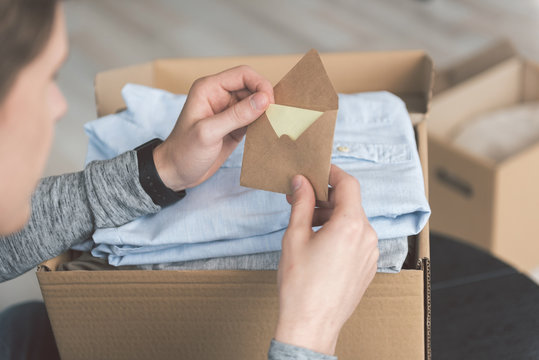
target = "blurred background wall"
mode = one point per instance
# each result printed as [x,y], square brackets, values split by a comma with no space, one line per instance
[106,34]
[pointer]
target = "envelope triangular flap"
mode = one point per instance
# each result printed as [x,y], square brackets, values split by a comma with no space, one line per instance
[307,86]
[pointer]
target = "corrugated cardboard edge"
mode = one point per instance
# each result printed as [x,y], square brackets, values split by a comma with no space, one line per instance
[485,59]
[423,250]
[424,265]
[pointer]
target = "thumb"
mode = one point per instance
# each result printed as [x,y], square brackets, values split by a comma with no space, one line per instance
[303,202]
[238,115]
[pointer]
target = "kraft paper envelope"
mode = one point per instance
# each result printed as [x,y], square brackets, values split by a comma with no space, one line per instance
[272,153]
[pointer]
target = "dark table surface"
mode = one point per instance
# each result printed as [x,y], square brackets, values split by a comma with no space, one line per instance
[482,308]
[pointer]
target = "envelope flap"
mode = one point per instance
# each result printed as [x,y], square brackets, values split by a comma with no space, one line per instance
[307,86]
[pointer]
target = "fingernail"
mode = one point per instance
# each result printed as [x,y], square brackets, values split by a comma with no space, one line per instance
[296,183]
[259,101]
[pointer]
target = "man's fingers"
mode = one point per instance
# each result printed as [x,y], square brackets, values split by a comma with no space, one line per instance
[215,93]
[244,77]
[319,203]
[322,212]
[344,197]
[302,205]
[241,94]
[323,209]
[235,117]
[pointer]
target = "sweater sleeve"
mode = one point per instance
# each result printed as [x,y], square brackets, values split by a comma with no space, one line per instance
[67,209]
[282,351]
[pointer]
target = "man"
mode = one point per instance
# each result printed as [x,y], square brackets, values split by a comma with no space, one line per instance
[322,276]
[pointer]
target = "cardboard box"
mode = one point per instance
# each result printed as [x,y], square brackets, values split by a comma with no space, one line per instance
[233,314]
[492,205]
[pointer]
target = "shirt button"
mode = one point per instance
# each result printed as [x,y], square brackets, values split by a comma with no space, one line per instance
[344,149]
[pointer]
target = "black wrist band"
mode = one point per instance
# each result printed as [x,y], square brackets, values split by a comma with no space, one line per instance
[149,178]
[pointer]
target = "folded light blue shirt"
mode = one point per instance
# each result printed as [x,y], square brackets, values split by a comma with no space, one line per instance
[221,218]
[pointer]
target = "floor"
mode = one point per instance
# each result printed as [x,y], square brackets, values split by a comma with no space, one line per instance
[107,34]
[482,309]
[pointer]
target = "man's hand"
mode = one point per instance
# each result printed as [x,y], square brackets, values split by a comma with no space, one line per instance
[210,126]
[323,275]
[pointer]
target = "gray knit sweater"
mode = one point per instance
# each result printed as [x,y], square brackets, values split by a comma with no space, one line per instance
[67,209]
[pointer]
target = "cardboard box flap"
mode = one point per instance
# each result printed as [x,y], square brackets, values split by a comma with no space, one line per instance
[423,248]
[531,82]
[52,264]
[108,86]
[485,59]
[407,74]
[453,108]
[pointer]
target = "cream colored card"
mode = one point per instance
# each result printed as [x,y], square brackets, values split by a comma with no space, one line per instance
[289,120]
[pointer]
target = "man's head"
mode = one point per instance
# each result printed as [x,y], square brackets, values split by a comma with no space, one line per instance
[34,46]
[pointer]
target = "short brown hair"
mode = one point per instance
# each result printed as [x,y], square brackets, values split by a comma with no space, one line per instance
[25,28]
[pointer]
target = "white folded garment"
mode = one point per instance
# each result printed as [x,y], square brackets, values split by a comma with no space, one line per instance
[500,134]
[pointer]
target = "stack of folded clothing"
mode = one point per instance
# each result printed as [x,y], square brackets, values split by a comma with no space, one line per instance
[222,225]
